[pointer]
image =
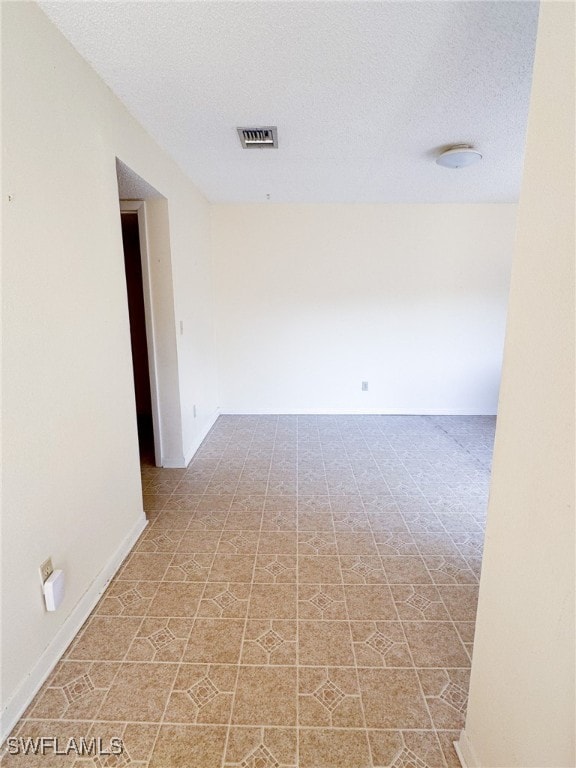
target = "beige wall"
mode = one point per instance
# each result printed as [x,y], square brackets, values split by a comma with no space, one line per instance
[71,485]
[521,712]
[314,299]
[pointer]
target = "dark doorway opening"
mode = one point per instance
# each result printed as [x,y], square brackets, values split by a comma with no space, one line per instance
[138,339]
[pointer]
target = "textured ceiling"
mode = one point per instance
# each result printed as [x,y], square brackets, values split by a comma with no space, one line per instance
[363,93]
[131,186]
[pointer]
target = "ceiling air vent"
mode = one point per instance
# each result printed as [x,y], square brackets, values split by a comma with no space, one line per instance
[263,138]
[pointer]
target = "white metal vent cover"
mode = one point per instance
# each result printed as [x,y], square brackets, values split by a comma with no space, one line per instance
[259,138]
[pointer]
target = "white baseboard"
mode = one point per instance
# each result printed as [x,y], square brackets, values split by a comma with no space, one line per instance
[465,752]
[174,462]
[362,412]
[29,688]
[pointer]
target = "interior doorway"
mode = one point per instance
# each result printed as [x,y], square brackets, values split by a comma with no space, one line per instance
[139,312]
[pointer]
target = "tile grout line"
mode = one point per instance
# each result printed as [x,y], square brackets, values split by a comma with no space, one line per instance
[241,652]
[161,721]
[179,666]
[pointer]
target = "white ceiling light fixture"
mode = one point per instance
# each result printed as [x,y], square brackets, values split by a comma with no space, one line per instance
[459,156]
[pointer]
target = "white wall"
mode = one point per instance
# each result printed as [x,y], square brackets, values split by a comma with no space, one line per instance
[71,485]
[314,299]
[521,712]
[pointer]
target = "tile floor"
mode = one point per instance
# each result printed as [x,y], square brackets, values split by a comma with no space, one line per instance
[304,595]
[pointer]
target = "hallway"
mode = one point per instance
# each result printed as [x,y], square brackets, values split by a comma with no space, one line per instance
[304,595]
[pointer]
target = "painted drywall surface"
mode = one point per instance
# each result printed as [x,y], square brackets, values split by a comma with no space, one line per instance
[315,299]
[194,314]
[162,308]
[71,485]
[521,710]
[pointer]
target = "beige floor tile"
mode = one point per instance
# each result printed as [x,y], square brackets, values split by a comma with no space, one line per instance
[412,749]
[159,540]
[270,641]
[232,568]
[419,602]
[436,545]
[325,643]
[127,598]
[249,498]
[214,503]
[466,631]
[216,641]
[393,544]
[277,542]
[146,566]
[329,696]
[190,567]
[238,542]
[189,746]
[74,691]
[139,692]
[185,502]
[285,503]
[171,519]
[461,601]
[319,570]
[275,569]
[449,570]
[321,601]
[392,698]
[380,644]
[261,747]
[317,543]
[273,601]
[279,520]
[177,599]
[356,543]
[105,638]
[202,693]
[315,521]
[207,521]
[224,600]
[160,639]
[137,742]
[265,696]
[199,541]
[245,519]
[435,644]
[161,483]
[369,601]
[352,522]
[362,569]
[333,748]
[447,739]
[446,693]
[154,502]
[314,503]
[348,504]
[60,730]
[406,570]
[386,521]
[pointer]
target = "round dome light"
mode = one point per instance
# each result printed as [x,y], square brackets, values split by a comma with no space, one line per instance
[459,157]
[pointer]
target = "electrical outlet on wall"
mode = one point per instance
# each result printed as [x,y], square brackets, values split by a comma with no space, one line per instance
[46,569]
[194,411]
[364,386]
